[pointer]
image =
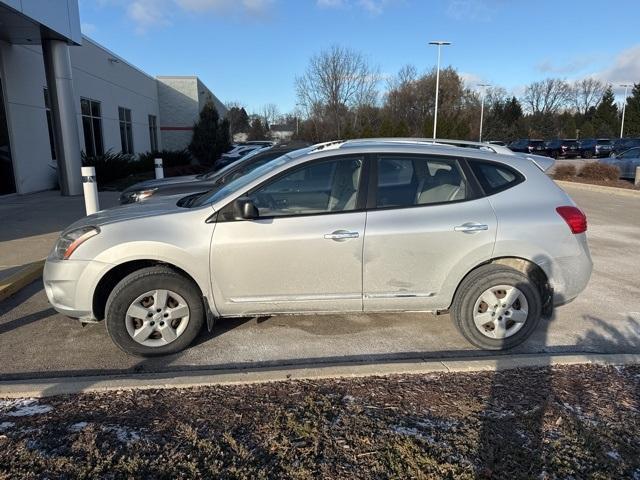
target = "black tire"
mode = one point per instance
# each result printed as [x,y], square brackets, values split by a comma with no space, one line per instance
[474,285]
[139,282]
[587,154]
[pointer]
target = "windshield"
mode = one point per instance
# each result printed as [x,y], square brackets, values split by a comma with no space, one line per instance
[238,183]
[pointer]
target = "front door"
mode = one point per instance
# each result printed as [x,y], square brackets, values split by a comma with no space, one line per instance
[427,229]
[7,181]
[304,251]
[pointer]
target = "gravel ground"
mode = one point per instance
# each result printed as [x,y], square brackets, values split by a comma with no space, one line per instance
[562,422]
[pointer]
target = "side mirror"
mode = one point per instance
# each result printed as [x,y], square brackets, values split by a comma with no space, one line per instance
[244,209]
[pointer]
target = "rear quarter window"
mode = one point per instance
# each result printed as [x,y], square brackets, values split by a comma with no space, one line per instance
[494,178]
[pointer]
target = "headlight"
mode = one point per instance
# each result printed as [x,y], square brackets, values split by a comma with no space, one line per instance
[139,196]
[68,242]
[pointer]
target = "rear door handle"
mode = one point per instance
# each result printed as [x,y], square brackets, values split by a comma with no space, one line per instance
[341,235]
[471,227]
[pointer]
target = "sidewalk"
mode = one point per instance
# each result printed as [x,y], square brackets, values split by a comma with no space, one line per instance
[31,223]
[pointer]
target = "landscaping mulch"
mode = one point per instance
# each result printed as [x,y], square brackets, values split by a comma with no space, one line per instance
[561,422]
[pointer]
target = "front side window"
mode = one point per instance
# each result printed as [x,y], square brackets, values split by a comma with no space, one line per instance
[320,187]
[494,178]
[153,133]
[405,181]
[126,134]
[92,127]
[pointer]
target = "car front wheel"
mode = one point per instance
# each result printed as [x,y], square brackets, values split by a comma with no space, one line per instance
[497,307]
[154,311]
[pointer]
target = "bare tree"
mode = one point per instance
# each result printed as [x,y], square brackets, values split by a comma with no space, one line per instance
[546,96]
[336,80]
[269,113]
[587,93]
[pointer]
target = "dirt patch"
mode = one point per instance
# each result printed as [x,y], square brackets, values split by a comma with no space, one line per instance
[605,183]
[564,422]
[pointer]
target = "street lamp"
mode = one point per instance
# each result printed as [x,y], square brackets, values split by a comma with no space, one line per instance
[484,92]
[624,105]
[439,43]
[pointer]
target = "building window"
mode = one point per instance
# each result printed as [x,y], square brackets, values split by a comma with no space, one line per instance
[126,133]
[153,133]
[52,136]
[92,127]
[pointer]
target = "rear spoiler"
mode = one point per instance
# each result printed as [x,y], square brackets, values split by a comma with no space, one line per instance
[543,163]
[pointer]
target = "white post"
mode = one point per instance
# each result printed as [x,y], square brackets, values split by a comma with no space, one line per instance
[624,108]
[435,113]
[636,181]
[481,115]
[90,188]
[159,169]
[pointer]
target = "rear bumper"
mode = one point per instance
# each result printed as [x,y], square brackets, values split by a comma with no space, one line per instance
[569,276]
[69,285]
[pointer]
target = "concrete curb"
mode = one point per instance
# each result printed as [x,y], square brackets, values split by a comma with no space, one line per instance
[23,277]
[600,188]
[70,385]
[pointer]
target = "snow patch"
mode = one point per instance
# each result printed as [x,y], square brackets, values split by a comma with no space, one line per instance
[76,427]
[123,434]
[613,455]
[6,426]
[24,407]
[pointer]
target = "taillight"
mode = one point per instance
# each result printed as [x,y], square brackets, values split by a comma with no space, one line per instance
[574,217]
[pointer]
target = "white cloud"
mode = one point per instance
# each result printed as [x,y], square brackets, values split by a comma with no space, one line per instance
[625,68]
[88,28]
[374,7]
[565,68]
[149,14]
[471,10]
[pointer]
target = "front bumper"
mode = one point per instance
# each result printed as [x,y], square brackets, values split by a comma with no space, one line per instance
[69,285]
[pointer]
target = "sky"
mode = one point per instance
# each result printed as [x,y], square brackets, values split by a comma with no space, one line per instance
[250,51]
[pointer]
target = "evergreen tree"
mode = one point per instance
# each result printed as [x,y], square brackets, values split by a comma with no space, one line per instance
[587,130]
[257,130]
[605,118]
[632,113]
[209,140]
[238,120]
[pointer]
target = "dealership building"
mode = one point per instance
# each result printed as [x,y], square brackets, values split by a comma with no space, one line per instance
[62,93]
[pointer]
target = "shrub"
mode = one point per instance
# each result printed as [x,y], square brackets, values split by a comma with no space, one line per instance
[112,166]
[565,171]
[600,171]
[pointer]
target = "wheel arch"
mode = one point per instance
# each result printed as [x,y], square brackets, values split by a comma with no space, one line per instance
[523,265]
[111,278]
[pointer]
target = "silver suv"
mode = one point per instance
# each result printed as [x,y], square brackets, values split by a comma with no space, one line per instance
[355,226]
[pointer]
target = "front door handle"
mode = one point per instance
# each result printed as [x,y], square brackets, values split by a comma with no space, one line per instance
[471,227]
[341,235]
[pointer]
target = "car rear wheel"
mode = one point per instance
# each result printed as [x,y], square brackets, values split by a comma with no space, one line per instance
[154,311]
[496,307]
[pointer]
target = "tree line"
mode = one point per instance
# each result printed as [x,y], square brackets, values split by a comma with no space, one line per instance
[342,95]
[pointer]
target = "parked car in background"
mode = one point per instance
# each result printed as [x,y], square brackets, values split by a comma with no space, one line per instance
[565,147]
[526,145]
[595,147]
[626,161]
[237,153]
[155,189]
[624,144]
[323,230]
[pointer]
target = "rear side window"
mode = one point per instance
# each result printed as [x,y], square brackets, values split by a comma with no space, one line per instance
[405,181]
[494,178]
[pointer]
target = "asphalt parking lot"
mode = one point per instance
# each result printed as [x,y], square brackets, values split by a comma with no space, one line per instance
[37,342]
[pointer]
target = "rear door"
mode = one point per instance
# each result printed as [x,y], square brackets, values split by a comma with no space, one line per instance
[427,226]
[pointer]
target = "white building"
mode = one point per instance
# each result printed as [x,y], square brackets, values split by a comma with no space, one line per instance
[62,93]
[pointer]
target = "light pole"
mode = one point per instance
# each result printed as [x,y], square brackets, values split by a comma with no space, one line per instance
[439,43]
[624,105]
[484,92]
